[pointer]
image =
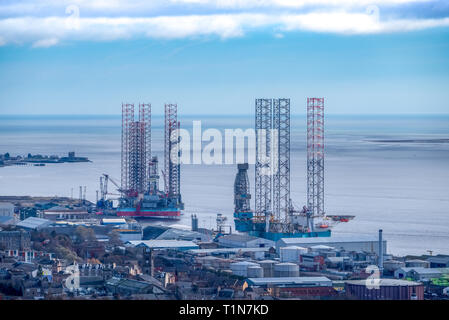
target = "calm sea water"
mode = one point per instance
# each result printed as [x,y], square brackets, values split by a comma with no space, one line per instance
[402,188]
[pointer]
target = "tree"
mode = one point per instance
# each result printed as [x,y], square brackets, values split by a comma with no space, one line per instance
[114,238]
[84,234]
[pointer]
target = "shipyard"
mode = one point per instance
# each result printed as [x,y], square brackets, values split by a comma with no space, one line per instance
[271,250]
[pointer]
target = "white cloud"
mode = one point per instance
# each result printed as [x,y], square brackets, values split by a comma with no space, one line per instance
[71,25]
[45,43]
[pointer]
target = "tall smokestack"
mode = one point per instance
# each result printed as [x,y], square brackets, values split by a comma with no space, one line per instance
[381,253]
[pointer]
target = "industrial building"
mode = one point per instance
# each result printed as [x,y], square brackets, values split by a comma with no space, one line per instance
[294,287]
[15,240]
[63,213]
[7,220]
[227,251]
[113,221]
[439,261]
[388,289]
[129,234]
[6,209]
[244,241]
[164,244]
[290,281]
[181,234]
[359,243]
[34,223]
[128,286]
[420,273]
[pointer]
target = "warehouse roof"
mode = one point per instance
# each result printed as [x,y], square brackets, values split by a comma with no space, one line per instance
[244,263]
[6,220]
[7,205]
[34,223]
[386,282]
[113,221]
[163,244]
[178,234]
[238,237]
[302,281]
[439,259]
[422,270]
[332,239]
[128,284]
[227,250]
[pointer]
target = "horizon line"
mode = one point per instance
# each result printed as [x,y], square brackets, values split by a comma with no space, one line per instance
[225,114]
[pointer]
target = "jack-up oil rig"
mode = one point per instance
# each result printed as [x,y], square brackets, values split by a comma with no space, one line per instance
[274,216]
[140,196]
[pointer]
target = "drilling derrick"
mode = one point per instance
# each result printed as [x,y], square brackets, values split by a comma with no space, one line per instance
[136,149]
[145,120]
[281,163]
[172,160]
[127,119]
[263,177]
[315,159]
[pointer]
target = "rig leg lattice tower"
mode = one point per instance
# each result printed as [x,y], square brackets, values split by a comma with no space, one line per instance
[172,160]
[272,196]
[281,161]
[136,149]
[315,159]
[263,174]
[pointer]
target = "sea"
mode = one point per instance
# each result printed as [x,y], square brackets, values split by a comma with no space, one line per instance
[390,171]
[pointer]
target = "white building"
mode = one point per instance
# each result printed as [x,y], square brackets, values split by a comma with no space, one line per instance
[356,243]
[34,223]
[419,273]
[164,244]
[6,209]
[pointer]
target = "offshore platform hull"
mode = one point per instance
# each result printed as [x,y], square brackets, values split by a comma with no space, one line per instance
[275,236]
[244,223]
[169,213]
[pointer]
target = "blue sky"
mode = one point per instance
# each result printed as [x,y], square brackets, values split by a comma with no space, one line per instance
[87,57]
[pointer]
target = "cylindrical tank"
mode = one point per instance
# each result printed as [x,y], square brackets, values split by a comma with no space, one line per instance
[291,253]
[286,269]
[255,272]
[267,266]
[241,268]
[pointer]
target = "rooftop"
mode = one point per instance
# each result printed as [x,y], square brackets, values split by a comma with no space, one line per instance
[238,237]
[422,270]
[161,244]
[386,282]
[333,239]
[439,259]
[6,205]
[289,281]
[33,223]
[227,250]
[6,220]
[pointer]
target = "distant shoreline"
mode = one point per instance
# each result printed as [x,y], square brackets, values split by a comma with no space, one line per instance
[412,141]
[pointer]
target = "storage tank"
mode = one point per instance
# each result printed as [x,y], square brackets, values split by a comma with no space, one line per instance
[286,269]
[255,272]
[267,266]
[291,253]
[241,268]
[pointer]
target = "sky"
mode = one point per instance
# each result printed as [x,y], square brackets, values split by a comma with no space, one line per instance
[217,56]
